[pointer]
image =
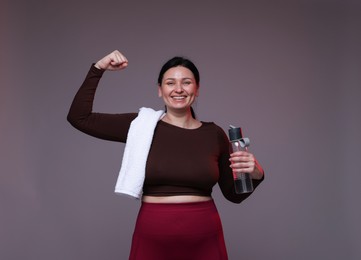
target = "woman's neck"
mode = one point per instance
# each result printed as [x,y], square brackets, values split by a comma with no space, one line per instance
[181,120]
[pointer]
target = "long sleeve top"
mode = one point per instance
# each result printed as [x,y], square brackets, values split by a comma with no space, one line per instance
[180,161]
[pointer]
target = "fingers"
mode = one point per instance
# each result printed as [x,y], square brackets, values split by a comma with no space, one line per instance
[242,161]
[117,59]
[113,61]
[243,167]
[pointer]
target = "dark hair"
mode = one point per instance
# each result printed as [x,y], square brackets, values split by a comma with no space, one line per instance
[183,62]
[179,61]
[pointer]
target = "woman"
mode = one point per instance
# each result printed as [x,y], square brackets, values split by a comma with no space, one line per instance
[187,157]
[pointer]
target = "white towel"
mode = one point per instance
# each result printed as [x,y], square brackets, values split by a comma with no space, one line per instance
[140,135]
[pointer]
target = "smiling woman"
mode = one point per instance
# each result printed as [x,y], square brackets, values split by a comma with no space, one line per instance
[178,218]
[180,76]
[179,89]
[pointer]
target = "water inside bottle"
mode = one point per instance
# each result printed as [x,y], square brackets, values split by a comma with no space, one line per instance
[243,183]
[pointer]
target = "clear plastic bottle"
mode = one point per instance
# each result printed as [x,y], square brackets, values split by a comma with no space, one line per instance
[242,181]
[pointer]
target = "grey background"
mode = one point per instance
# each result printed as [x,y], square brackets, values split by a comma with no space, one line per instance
[288,72]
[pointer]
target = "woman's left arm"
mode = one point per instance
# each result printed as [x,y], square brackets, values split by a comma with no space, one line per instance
[240,162]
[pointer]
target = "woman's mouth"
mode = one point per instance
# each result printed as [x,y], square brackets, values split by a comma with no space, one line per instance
[178,97]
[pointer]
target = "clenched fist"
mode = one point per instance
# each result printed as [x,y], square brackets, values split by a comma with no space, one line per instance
[113,61]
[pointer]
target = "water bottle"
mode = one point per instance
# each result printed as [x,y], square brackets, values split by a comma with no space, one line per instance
[242,181]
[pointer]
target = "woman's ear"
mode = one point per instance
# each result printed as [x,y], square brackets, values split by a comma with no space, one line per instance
[160,91]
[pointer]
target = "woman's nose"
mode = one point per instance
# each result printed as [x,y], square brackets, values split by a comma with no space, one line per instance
[178,87]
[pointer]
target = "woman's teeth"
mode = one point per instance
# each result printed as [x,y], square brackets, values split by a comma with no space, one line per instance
[178,98]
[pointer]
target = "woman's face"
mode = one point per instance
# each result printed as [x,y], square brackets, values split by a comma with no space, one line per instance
[178,88]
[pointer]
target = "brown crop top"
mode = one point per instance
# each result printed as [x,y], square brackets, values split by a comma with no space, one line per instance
[180,161]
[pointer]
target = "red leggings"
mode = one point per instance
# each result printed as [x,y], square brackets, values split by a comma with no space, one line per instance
[178,231]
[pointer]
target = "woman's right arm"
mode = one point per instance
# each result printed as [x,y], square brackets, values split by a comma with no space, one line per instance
[113,127]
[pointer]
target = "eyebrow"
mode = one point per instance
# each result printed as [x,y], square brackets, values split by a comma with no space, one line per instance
[175,78]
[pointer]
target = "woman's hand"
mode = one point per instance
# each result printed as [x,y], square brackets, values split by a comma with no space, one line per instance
[245,162]
[113,61]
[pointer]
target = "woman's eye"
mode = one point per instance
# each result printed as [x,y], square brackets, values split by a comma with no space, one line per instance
[187,82]
[170,83]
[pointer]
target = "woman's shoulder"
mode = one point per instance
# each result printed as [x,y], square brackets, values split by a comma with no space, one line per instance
[212,125]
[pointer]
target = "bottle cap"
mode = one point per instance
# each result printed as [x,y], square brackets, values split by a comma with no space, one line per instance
[235,133]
